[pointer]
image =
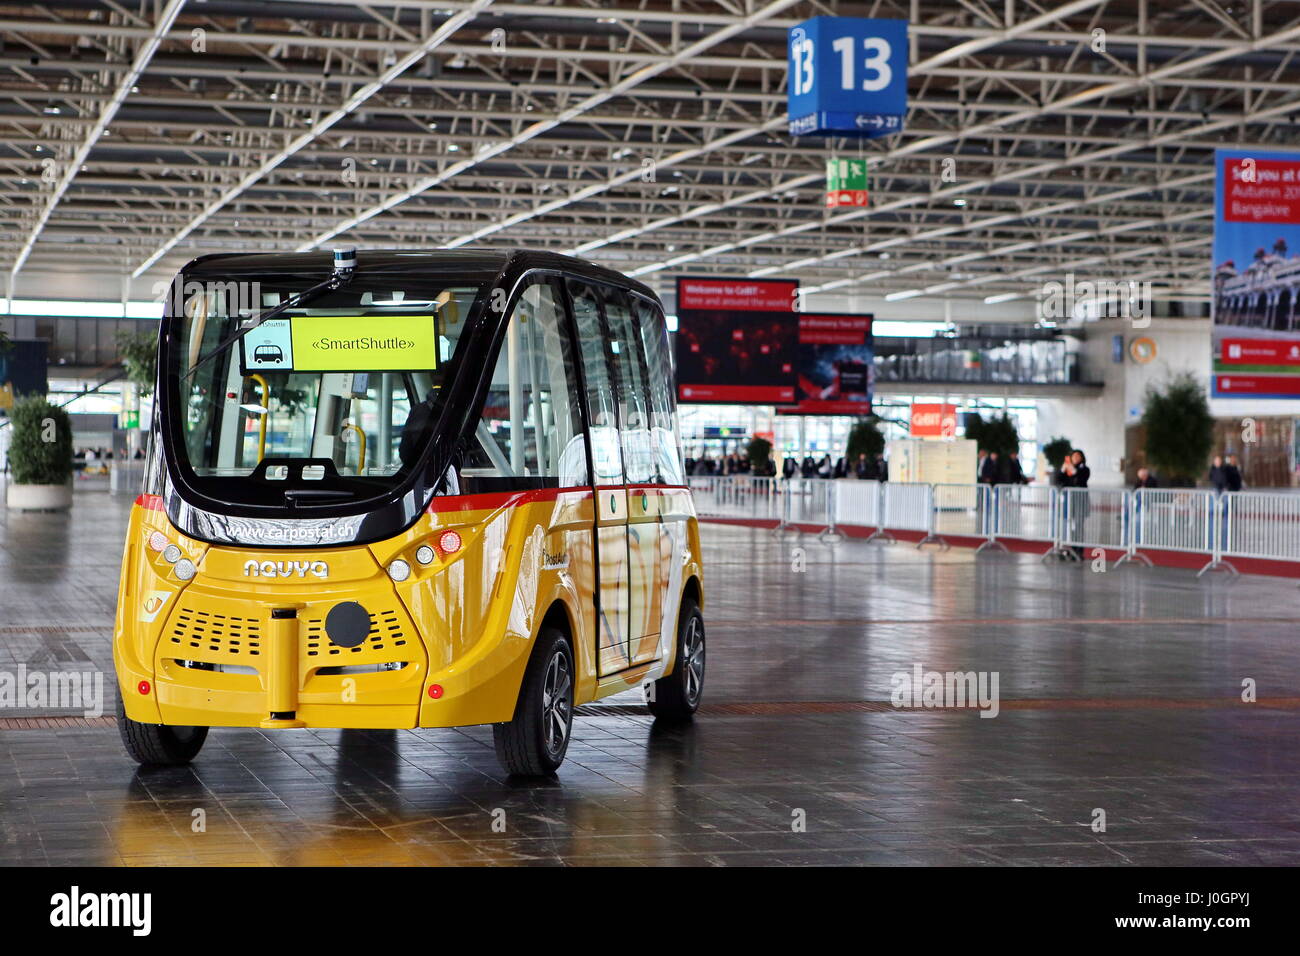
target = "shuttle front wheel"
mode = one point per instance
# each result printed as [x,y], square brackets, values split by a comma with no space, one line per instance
[677,696]
[533,744]
[158,744]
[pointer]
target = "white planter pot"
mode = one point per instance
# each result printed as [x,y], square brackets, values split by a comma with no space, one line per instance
[38,497]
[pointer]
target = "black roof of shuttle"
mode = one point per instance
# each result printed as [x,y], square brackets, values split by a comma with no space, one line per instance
[479,265]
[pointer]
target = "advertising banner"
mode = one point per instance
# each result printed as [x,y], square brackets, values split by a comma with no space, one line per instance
[1256,325]
[736,340]
[834,367]
[933,421]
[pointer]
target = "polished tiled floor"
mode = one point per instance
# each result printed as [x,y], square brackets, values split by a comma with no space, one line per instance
[1120,691]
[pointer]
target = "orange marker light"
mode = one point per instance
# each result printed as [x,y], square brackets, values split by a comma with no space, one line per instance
[435,691]
[143,687]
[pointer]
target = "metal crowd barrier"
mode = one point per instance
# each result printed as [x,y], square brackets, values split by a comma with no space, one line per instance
[1093,518]
[1236,525]
[1255,525]
[1024,512]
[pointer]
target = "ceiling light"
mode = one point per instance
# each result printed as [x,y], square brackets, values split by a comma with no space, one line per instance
[453,148]
[959,202]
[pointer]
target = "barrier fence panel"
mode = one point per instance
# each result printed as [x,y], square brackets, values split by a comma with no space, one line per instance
[1173,519]
[910,507]
[1094,518]
[735,496]
[1024,511]
[1258,525]
[857,503]
[960,509]
[808,500]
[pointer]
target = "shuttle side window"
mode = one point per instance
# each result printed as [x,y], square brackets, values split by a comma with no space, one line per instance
[663,406]
[606,456]
[530,426]
[626,351]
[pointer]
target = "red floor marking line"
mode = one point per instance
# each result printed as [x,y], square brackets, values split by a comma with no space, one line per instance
[54,723]
[52,628]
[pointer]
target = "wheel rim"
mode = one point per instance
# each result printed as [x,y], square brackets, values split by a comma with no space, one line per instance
[556,708]
[693,659]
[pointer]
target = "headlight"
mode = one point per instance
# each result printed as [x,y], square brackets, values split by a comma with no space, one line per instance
[185,569]
[424,554]
[399,570]
[172,554]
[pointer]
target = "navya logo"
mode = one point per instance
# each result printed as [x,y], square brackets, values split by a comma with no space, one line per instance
[285,569]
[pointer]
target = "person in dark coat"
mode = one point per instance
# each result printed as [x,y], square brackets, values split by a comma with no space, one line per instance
[1218,477]
[882,468]
[1145,479]
[788,467]
[1232,474]
[989,473]
[1075,474]
[1012,473]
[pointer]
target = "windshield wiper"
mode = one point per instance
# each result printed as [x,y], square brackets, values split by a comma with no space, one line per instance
[345,266]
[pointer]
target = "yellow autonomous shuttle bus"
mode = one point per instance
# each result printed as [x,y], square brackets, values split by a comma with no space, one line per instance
[408,489]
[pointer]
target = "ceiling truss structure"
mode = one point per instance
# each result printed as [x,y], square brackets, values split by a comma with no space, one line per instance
[648,135]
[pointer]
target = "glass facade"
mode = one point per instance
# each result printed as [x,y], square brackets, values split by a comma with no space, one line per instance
[719,430]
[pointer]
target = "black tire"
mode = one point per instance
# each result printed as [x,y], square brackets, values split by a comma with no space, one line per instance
[158,744]
[533,744]
[675,698]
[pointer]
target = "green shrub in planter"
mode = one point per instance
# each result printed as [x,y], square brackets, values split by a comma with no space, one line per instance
[40,450]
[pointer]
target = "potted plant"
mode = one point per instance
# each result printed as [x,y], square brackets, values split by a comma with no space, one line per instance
[1179,430]
[759,453]
[40,456]
[865,438]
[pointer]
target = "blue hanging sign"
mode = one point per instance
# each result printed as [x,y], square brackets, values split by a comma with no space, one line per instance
[848,77]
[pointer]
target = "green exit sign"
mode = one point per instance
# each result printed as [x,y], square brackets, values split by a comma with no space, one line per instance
[846,182]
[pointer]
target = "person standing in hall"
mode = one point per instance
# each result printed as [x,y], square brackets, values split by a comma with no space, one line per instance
[1075,474]
[1232,474]
[1218,477]
[989,472]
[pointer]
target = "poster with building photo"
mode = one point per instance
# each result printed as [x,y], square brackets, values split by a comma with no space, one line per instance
[1256,277]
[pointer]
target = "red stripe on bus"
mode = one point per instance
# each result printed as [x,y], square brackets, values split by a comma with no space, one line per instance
[497,499]
[150,502]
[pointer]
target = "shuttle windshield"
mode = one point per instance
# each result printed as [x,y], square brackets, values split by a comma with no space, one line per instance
[330,403]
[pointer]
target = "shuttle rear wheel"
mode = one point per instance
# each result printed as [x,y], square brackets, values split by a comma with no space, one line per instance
[534,743]
[677,696]
[158,744]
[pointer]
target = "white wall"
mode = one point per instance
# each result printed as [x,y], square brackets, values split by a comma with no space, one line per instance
[1097,425]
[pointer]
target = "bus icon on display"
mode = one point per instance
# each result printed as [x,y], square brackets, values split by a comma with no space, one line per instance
[268,353]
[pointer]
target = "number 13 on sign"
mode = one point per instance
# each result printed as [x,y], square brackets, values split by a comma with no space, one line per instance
[848,76]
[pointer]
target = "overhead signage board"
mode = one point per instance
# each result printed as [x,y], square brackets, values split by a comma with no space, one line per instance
[342,343]
[1256,271]
[736,340]
[834,365]
[847,77]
